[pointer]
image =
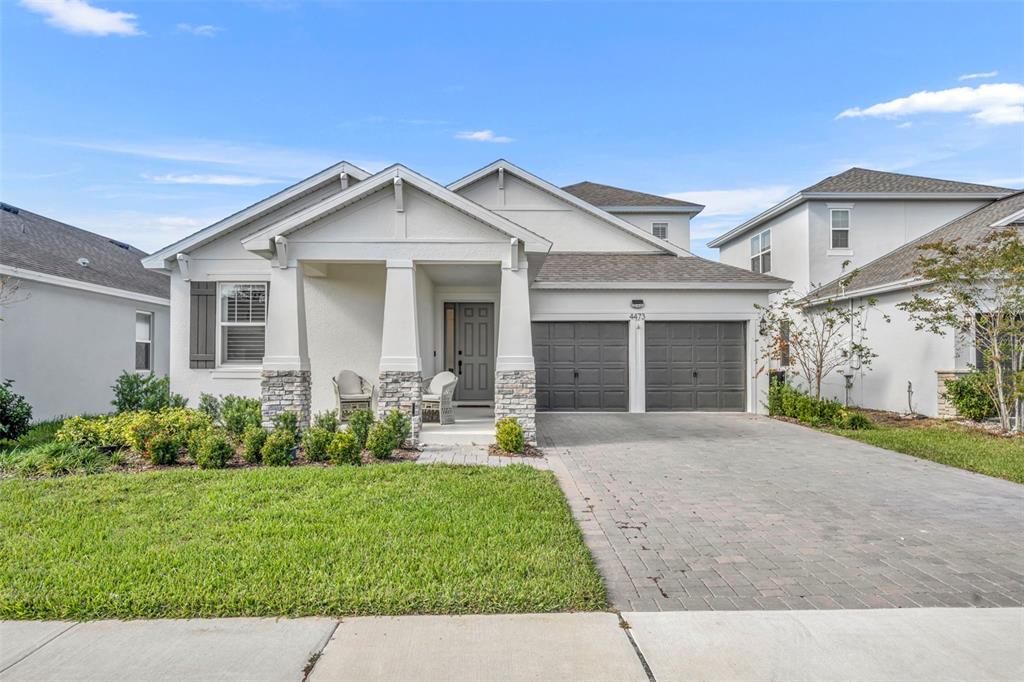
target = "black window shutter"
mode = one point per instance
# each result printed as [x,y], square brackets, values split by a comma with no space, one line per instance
[202,332]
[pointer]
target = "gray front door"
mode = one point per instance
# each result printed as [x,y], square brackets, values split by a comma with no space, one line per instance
[581,365]
[695,366]
[474,351]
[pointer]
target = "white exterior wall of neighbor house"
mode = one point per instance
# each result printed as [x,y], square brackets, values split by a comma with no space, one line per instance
[64,347]
[789,236]
[678,224]
[659,305]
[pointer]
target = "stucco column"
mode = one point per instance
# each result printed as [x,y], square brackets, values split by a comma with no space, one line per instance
[400,369]
[285,378]
[515,377]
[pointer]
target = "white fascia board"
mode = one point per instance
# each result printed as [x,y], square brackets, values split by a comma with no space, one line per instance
[911,282]
[159,260]
[800,197]
[653,209]
[69,283]
[570,199]
[260,241]
[1015,217]
[705,286]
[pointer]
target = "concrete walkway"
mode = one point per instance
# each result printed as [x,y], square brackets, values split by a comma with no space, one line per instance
[898,644]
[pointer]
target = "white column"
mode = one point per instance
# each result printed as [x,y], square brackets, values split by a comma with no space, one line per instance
[515,340]
[400,341]
[286,346]
[637,365]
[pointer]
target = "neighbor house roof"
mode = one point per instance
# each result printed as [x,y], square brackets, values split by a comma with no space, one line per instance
[608,196]
[895,270]
[37,244]
[653,270]
[863,183]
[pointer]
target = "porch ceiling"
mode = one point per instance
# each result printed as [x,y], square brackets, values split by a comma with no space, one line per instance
[459,275]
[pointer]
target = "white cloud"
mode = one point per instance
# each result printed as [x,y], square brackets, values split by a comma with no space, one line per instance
[905,124]
[482,136]
[991,103]
[203,30]
[78,16]
[202,179]
[735,202]
[976,76]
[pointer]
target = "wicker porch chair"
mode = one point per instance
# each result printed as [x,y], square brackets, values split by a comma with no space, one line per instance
[353,392]
[437,396]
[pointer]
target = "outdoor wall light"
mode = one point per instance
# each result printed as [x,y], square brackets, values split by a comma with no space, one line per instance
[637,303]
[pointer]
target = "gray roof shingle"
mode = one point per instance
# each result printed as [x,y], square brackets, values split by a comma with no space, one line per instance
[33,242]
[898,265]
[866,180]
[606,195]
[645,267]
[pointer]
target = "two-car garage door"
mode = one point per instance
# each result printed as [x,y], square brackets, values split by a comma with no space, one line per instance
[689,366]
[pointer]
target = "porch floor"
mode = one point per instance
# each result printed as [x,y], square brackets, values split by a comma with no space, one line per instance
[473,426]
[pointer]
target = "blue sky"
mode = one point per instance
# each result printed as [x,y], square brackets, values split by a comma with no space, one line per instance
[146,121]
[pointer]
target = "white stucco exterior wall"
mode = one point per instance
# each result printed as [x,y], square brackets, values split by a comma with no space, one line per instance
[790,259]
[65,347]
[678,224]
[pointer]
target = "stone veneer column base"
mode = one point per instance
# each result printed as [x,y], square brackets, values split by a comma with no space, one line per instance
[515,395]
[404,391]
[945,408]
[285,391]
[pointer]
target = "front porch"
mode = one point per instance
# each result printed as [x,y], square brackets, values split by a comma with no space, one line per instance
[474,426]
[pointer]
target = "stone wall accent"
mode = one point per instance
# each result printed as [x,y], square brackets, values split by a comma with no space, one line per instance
[946,409]
[285,391]
[515,395]
[402,390]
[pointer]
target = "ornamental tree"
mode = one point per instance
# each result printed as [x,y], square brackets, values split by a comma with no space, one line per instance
[977,290]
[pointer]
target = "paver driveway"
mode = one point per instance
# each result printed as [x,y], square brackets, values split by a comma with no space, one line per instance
[722,511]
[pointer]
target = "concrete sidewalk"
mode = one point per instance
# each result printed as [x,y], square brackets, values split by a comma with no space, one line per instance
[903,644]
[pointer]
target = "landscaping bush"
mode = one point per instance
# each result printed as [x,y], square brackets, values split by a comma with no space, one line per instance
[238,413]
[399,425]
[388,434]
[277,449]
[39,434]
[344,449]
[162,448]
[359,423]
[327,421]
[315,442]
[56,459]
[509,435]
[209,405]
[252,444]
[134,392]
[135,430]
[787,401]
[215,451]
[15,412]
[969,395]
[287,421]
[856,421]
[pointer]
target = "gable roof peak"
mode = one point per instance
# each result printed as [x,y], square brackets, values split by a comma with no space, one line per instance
[867,180]
[610,196]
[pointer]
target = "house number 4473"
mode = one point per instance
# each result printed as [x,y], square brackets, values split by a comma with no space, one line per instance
[638,316]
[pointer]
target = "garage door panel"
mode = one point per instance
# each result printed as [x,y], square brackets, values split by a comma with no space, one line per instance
[617,354]
[563,400]
[611,376]
[589,377]
[730,354]
[706,354]
[562,376]
[560,352]
[695,366]
[679,353]
[581,365]
[588,353]
[733,400]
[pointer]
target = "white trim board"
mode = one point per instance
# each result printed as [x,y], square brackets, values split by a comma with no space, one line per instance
[56,280]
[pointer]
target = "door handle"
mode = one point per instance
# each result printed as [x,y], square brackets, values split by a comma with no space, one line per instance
[575,375]
[694,374]
[460,366]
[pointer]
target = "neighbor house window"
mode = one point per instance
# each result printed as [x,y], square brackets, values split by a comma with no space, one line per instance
[660,230]
[840,228]
[243,323]
[761,252]
[143,341]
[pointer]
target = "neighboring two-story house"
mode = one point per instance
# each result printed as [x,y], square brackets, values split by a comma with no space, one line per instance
[871,221]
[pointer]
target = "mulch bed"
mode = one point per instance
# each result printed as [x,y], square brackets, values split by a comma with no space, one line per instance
[528,451]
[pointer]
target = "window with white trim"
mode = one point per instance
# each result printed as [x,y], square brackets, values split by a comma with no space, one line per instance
[660,230]
[761,252]
[143,340]
[840,223]
[243,322]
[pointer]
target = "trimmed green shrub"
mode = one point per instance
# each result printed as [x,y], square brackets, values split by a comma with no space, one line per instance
[134,392]
[277,449]
[162,448]
[344,449]
[209,405]
[381,440]
[327,421]
[288,421]
[399,425]
[787,401]
[359,423]
[252,444]
[315,442]
[509,435]
[238,413]
[15,412]
[214,451]
[969,397]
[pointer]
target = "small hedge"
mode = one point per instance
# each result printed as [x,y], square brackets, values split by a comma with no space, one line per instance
[969,395]
[509,435]
[215,451]
[252,444]
[787,401]
[277,449]
[344,449]
[359,423]
[389,434]
[315,442]
[15,412]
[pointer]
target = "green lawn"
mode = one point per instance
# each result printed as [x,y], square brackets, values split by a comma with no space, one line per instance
[951,444]
[388,539]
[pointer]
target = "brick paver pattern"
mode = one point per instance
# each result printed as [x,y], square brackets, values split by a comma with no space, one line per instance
[720,511]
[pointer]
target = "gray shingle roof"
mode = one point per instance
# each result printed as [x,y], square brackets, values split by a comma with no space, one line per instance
[606,195]
[898,265]
[33,242]
[865,180]
[642,267]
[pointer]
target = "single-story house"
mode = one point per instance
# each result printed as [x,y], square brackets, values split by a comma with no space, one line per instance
[79,310]
[537,297]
